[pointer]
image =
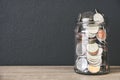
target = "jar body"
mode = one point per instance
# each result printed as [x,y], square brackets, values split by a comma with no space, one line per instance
[91,48]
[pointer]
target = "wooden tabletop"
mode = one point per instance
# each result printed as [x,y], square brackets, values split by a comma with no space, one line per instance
[52,73]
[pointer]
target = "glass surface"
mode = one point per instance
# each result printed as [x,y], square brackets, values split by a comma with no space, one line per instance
[91,46]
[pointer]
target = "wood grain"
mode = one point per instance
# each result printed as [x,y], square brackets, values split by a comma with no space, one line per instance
[52,73]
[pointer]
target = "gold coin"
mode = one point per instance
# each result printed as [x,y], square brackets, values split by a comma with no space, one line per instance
[93,69]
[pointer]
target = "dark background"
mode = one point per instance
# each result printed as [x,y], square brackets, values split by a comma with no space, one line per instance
[41,32]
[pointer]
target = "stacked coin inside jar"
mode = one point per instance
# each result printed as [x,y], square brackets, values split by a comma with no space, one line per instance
[90,40]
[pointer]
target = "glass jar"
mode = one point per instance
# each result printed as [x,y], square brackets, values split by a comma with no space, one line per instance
[90,44]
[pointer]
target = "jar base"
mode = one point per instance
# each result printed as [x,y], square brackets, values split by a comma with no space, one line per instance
[89,73]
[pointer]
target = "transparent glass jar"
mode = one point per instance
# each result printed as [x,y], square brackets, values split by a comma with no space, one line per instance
[90,44]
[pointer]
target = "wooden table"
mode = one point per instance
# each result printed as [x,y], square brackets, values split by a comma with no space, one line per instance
[52,73]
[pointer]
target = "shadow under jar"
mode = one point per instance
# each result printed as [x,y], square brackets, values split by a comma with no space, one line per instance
[90,44]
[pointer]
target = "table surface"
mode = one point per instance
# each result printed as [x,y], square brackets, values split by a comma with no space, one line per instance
[52,73]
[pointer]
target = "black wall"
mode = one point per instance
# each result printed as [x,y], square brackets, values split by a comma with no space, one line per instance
[41,32]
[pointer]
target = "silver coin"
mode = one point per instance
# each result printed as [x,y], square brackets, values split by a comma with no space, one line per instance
[84,49]
[97,64]
[85,20]
[79,49]
[81,64]
[98,18]
[92,47]
[91,35]
[85,37]
[95,60]
[100,51]
[93,28]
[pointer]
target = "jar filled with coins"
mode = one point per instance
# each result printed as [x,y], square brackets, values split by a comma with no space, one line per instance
[91,46]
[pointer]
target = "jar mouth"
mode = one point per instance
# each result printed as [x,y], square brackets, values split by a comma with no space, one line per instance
[91,22]
[85,19]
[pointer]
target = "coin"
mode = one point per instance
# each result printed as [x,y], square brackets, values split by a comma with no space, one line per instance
[100,51]
[97,62]
[95,56]
[85,20]
[78,36]
[98,18]
[91,35]
[79,49]
[81,64]
[93,69]
[93,59]
[84,50]
[84,37]
[96,59]
[92,28]
[92,48]
[101,35]
[92,40]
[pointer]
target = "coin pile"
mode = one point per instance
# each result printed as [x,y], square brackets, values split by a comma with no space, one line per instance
[89,49]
